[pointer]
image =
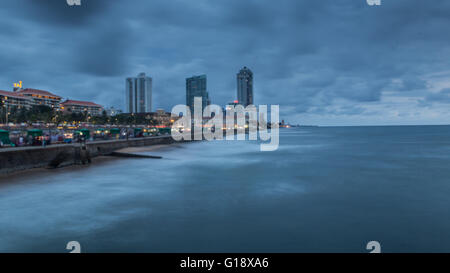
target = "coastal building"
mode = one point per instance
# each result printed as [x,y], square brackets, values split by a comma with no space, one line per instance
[12,99]
[27,98]
[40,97]
[138,94]
[245,86]
[196,87]
[111,111]
[75,106]
[163,118]
[231,105]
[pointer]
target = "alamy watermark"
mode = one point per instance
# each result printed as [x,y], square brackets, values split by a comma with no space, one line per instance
[211,124]
[73,2]
[373,2]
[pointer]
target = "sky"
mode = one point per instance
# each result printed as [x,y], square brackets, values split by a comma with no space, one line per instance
[324,62]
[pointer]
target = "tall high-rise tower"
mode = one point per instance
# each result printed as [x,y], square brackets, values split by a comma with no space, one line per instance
[196,87]
[245,86]
[138,94]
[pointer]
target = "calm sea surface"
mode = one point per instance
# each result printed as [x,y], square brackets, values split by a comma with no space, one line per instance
[324,190]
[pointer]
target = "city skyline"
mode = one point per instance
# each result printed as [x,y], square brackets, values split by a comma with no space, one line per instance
[324,63]
[136,87]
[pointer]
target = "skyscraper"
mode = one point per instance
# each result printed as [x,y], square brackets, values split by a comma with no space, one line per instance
[138,94]
[196,87]
[245,86]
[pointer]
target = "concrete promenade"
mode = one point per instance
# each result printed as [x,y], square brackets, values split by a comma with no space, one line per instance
[22,158]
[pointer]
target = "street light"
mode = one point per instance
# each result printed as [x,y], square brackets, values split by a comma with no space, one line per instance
[6,110]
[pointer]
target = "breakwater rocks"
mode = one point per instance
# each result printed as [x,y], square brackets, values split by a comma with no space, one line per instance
[22,158]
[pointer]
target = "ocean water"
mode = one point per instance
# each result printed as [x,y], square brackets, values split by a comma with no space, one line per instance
[326,189]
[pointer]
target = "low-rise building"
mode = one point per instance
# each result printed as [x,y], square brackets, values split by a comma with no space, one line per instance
[231,105]
[40,97]
[111,111]
[12,99]
[75,106]
[163,118]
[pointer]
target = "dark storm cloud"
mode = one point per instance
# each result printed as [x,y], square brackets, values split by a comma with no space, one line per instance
[103,54]
[58,13]
[312,57]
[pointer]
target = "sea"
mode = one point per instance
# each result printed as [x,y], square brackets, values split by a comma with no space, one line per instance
[325,189]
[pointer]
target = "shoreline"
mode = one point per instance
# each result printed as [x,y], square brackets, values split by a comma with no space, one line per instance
[21,160]
[98,160]
[143,149]
[24,173]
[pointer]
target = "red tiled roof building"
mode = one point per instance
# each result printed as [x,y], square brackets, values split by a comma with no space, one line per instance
[76,106]
[40,97]
[12,99]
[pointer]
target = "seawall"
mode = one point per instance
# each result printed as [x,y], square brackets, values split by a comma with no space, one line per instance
[22,158]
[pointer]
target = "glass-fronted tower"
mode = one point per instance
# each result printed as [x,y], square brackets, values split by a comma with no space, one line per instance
[138,94]
[245,86]
[196,87]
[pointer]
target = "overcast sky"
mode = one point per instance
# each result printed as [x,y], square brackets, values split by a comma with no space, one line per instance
[324,62]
